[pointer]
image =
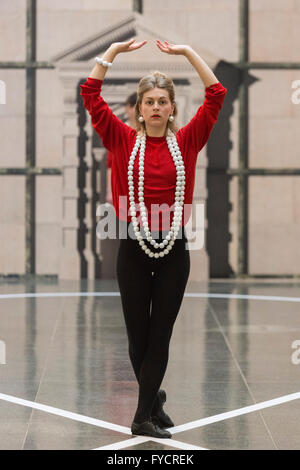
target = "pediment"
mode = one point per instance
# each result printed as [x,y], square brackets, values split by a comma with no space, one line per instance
[135,25]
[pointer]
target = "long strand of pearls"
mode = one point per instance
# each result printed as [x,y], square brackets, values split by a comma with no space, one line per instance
[169,240]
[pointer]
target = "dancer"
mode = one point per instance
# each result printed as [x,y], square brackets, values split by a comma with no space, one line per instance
[152,271]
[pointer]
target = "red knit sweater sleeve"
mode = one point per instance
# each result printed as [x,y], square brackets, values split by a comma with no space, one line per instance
[109,159]
[197,131]
[108,126]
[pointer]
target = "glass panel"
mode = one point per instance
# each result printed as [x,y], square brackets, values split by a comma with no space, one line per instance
[13,118]
[274,225]
[13,30]
[62,25]
[274,30]
[49,119]
[48,224]
[274,137]
[12,222]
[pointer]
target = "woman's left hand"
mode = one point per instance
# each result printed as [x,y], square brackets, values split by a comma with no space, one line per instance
[171,48]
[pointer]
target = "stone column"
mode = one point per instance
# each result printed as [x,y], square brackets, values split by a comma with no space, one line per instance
[70,260]
[78,257]
[99,154]
[92,191]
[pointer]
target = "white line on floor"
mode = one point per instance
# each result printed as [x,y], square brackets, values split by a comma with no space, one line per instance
[231,414]
[126,430]
[123,444]
[174,430]
[245,296]
[66,414]
[141,439]
[96,422]
[138,440]
[117,294]
[177,444]
[60,294]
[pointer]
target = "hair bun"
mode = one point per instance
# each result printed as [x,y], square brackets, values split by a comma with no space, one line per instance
[157,73]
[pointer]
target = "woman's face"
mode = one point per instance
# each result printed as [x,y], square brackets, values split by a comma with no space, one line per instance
[156,101]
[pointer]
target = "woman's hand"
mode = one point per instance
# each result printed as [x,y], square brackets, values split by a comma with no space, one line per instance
[127,46]
[171,48]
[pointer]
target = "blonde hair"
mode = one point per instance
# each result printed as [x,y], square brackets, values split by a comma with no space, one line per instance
[155,79]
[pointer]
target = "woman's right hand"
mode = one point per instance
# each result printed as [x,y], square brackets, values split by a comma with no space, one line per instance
[127,46]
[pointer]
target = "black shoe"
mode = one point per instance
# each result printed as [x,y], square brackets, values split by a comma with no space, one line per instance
[162,419]
[159,417]
[148,428]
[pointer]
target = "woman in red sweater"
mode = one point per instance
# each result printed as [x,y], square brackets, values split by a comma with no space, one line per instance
[154,164]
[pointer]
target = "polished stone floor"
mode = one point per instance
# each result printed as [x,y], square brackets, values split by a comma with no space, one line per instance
[232,381]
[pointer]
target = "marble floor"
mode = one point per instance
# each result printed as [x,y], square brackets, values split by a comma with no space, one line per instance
[232,381]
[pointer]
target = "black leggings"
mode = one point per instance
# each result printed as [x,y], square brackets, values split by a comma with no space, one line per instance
[148,333]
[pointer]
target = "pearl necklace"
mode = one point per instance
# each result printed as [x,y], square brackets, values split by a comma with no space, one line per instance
[179,195]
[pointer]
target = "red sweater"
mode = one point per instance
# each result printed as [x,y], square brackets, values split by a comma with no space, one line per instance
[109,159]
[159,168]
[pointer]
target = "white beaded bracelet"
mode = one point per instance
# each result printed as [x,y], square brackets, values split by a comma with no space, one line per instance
[99,60]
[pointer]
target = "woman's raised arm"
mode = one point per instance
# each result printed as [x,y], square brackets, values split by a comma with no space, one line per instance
[197,131]
[109,127]
[115,48]
[205,73]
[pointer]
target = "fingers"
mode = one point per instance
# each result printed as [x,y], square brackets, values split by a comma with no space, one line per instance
[165,46]
[132,40]
[140,44]
[162,46]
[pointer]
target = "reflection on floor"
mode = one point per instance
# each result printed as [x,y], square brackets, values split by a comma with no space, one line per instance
[232,380]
